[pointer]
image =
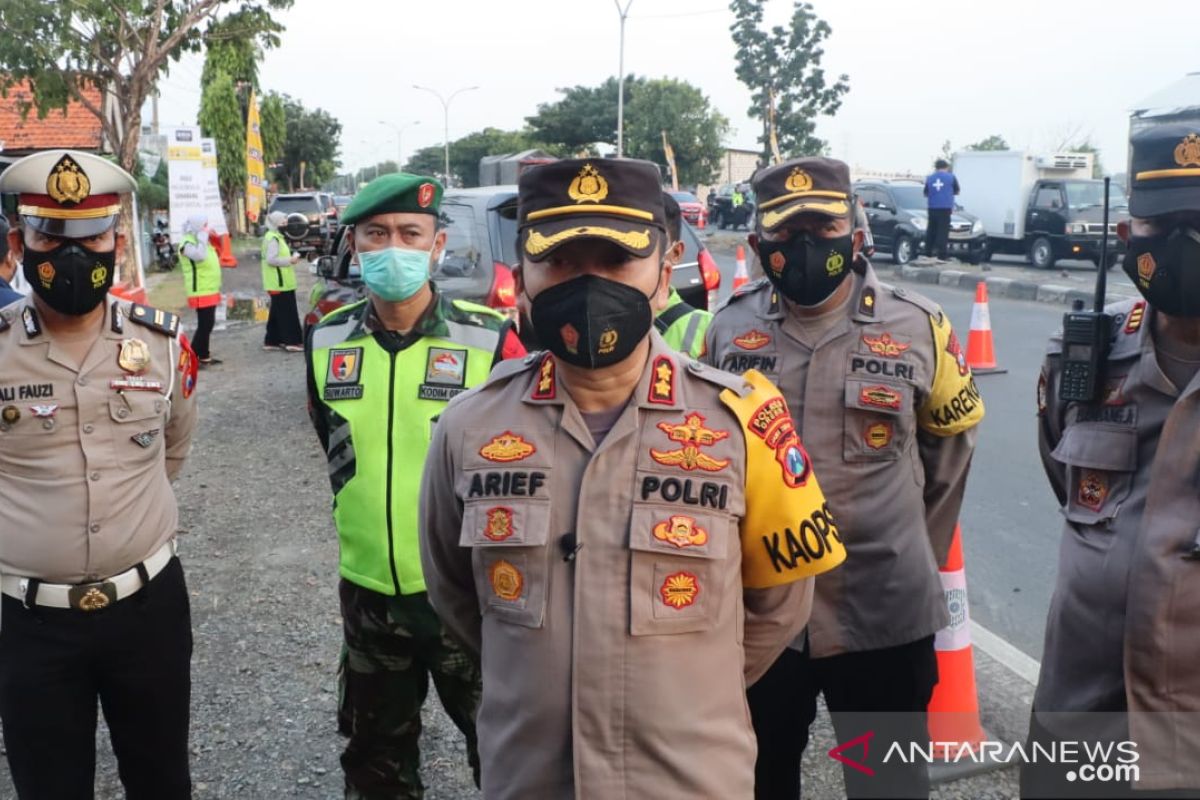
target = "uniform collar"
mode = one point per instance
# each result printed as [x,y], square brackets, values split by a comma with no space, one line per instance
[432,321]
[660,386]
[32,332]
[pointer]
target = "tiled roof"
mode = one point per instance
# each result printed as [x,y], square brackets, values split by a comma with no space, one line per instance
[76,127]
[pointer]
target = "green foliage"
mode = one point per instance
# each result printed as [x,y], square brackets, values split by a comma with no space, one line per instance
[221,118]
[312,141]
[234,45]
[694,129]
[587,115]
[1086,146]
[466,152]
[152,192]
[783,65]
[272,126]
[583,116]
[993,142]
[116,46]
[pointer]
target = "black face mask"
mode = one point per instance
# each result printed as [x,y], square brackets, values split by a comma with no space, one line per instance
[1166,270]
[70,278]
[807,269]
[591,322]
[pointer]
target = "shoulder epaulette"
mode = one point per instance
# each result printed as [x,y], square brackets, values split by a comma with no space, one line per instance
[753,287]
[338,315]
[155,319]
[476,314]
[726,380]
[919,300]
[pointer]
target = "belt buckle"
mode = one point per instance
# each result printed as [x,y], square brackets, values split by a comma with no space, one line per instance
[92,596]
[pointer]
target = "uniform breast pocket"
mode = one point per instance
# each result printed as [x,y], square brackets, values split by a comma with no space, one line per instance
[508,538]
[678,569]
[878,420]
[1100,458]
[138,422]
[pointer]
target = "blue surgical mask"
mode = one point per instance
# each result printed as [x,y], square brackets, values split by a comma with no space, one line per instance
[394,274]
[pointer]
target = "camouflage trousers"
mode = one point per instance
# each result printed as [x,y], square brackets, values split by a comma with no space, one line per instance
[392,646]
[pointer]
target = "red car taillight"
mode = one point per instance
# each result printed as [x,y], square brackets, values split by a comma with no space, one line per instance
[504,291]
[711,275]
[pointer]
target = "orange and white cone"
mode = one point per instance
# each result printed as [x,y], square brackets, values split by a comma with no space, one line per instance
[954,707]
[981,350]
[740,276]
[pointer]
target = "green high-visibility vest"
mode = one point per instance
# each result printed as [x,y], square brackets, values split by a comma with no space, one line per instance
[378,408]
[204,278]
[683,327]
[277,279]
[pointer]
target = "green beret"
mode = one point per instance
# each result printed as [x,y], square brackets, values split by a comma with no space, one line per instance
[398,192]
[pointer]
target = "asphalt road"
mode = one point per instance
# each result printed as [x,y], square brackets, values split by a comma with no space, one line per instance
[1011,522]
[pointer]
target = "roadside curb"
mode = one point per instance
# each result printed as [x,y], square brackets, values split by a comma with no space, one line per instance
[1011,288]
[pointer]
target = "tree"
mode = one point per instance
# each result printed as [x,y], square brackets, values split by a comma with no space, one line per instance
[583,116]
[782,69]
[466,152]
[221,118]
[993,142]
[310,151]
[152,191]
[235,44]
[272,124]
[587,115]
[693,128]
[117,46]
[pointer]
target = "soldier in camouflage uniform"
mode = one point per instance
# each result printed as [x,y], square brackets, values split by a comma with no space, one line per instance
[380,372]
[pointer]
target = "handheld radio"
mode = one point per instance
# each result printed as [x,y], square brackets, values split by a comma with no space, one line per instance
[1087,335]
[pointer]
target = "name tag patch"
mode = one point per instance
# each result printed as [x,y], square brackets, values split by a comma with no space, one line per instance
[342,380]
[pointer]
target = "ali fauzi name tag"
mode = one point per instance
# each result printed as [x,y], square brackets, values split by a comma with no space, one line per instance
[346,392]
[29,391]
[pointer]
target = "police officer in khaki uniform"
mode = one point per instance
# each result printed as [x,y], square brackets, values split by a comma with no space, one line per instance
[96,418]
[881,392]
[1122,635]
[623,535]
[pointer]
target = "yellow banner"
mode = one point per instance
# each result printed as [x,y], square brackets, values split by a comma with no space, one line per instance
[256,191]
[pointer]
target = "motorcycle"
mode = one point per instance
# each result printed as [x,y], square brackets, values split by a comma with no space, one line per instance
[164,253]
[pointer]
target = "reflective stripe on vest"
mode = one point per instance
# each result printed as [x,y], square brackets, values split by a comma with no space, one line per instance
[382,406]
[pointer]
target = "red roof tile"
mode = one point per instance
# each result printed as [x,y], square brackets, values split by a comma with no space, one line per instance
[76,127]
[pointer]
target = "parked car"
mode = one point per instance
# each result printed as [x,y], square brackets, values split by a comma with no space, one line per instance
[721,211]
[481,246]
[693,211]
[896,212]
[310,226]
[340,201]
[481,249]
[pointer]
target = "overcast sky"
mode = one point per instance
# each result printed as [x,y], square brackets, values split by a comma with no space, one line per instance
[920,72]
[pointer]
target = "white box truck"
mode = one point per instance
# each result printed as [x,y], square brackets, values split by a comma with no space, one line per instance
[1047,207]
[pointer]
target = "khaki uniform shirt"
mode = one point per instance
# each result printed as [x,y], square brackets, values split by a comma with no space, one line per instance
[86,465]
[608,588]
[887,407]
[1123,631]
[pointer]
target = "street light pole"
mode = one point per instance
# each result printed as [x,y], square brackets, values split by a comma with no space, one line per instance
[624,12]
[446,119]
[399,129]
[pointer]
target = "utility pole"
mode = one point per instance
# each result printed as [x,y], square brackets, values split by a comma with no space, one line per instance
[446,118]
[624,12]
[399,129]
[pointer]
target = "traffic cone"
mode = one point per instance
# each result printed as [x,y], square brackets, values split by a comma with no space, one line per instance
[224,245]
[954,707]
[981,352]
[740,276]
